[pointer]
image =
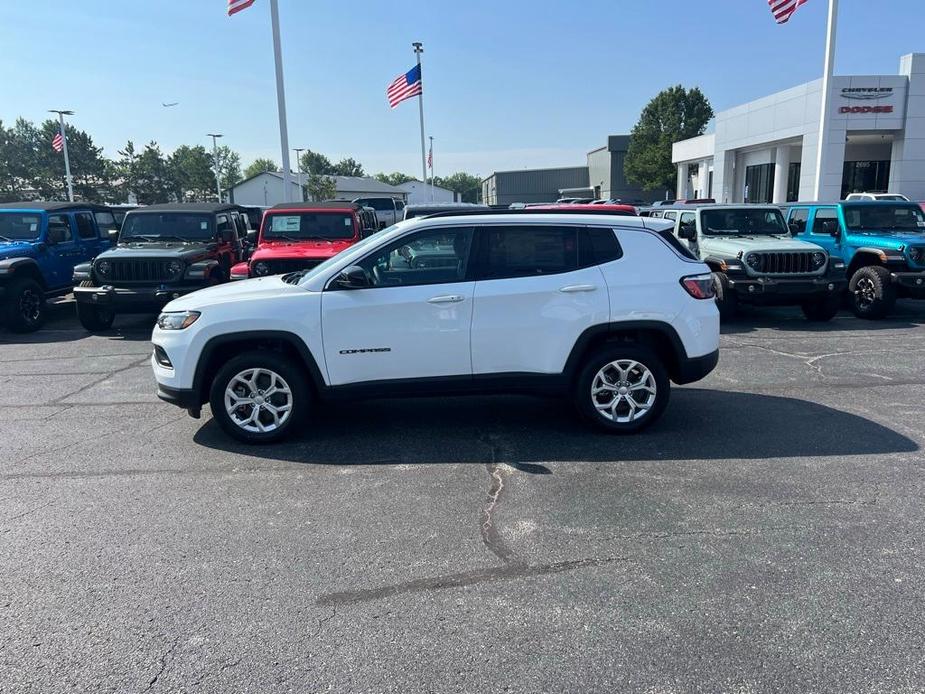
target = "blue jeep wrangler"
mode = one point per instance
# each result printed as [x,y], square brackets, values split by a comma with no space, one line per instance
[882,244]
[40,243]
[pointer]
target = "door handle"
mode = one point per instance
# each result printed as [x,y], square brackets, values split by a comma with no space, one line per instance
[448,299]
[573,288]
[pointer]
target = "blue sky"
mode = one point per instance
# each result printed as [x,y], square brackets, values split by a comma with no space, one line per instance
[508,83]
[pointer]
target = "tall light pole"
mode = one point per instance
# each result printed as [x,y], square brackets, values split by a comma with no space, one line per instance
[298,160]
[67,161]
[218,178]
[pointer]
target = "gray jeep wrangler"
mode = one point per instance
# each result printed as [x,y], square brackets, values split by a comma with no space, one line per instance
[755,261]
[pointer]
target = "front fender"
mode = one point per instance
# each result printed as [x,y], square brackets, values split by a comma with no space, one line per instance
[12,266]
[202,270]
[82,272]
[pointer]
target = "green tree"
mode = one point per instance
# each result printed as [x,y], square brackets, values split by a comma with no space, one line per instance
[674,114]
[147,175]
[396,178]
[229,167]
[320,187]
[315,163]
[468,186]
[258,166]
[348,167]
[191,174]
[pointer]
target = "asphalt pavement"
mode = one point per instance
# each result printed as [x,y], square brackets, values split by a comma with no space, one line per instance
[765,536]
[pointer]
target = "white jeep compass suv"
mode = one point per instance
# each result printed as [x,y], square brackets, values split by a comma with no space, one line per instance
[606,310]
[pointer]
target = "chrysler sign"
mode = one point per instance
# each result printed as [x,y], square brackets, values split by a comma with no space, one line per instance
[866,94]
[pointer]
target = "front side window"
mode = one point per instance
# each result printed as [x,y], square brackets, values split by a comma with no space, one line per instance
[167,226]
[16,226]
[825,221]
[527,251]
[798,219]
[85,228]
[880,218]
[742,222]
[437,256]
[326,226]
[59,229]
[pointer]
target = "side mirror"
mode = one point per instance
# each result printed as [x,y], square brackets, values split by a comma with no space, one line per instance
[353,277]
[252,237]
[794,228]
[113,236]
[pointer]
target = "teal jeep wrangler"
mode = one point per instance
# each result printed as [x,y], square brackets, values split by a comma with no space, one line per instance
[755,261]
[881,243]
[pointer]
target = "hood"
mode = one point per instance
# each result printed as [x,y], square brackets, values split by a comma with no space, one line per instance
[315,249]
[887,240]
[730,246]
[160,249]
[244,290]
[16,249]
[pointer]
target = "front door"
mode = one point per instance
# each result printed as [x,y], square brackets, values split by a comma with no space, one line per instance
[413,320]
[822,224]
[533,298]
[63,251]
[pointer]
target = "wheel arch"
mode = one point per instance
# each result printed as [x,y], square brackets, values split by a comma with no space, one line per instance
[863,257]
[660,337]
[15,268]
[221,348]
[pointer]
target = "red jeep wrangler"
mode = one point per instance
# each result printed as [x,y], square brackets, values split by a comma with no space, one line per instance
[299,236]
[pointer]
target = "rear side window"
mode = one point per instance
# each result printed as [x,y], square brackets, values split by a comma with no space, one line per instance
[597,246]
[671,215]
[527,251]
[85,228]
[798,219]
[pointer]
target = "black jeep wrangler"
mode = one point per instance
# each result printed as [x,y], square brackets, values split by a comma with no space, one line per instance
[163,251]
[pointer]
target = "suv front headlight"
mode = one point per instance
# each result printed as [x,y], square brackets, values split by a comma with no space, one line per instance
[174,268]
[177,321]
[103,268]
[753,261]
[917,254]
[818,259]
[261,269]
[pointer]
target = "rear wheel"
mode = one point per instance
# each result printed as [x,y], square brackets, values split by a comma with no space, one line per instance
[258,397]
[25,305]
[726,300]
[622,389]
[821,310]
[872,293]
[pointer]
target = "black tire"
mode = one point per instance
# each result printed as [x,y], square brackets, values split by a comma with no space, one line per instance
[586,401]
[871,292]
[291,373]
[726,300]
[823,309]
[24,305]
[94,318]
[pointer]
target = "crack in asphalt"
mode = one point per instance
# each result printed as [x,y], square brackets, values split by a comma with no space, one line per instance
[164,660]
[27,513]
[325,620]
[134,365]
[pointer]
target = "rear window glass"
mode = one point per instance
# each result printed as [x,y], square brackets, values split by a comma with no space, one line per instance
[310,225]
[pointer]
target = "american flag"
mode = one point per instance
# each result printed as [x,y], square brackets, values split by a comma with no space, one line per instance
[405,86]
[783,9]
[57,143]
[238,5]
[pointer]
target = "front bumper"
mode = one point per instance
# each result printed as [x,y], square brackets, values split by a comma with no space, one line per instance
[784,289]
[131,299]
[914,282]
[184,399]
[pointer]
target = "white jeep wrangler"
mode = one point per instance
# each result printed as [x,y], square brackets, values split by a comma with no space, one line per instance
[603,309]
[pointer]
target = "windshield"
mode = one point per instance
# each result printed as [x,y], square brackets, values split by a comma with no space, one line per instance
[167,226]
[882,218]
[16,226]
[742,221]
[309,225]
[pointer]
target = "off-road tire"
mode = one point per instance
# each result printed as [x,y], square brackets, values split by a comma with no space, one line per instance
[871,293]
[94,318]
[726,300]
[822,309]
[292,374]
[24,305]
[586,402]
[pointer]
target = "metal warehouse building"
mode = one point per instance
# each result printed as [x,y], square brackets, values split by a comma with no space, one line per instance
[532,185]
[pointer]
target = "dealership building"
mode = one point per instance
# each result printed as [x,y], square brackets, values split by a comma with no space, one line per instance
[765,150]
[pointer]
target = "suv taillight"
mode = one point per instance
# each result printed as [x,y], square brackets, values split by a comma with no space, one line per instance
[699,286]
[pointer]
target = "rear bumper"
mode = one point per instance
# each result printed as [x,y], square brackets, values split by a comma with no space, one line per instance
[747,288]
[695,368]
[130,300]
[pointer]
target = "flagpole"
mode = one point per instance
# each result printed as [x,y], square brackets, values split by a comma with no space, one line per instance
[418,49]
[431,168]
[67,159]
[825,113]
[281,103]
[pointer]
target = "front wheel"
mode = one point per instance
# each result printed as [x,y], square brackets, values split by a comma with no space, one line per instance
[258,397]
[622,389]
[95,318]
[821,310]
[871,292]
[25,307]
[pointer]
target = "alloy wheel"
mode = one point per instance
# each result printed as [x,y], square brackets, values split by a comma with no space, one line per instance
[30,306]
[623,391]
[258,400]
[865,291]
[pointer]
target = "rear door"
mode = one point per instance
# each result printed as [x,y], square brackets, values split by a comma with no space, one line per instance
[413,321]
[533,297]
[88,236]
